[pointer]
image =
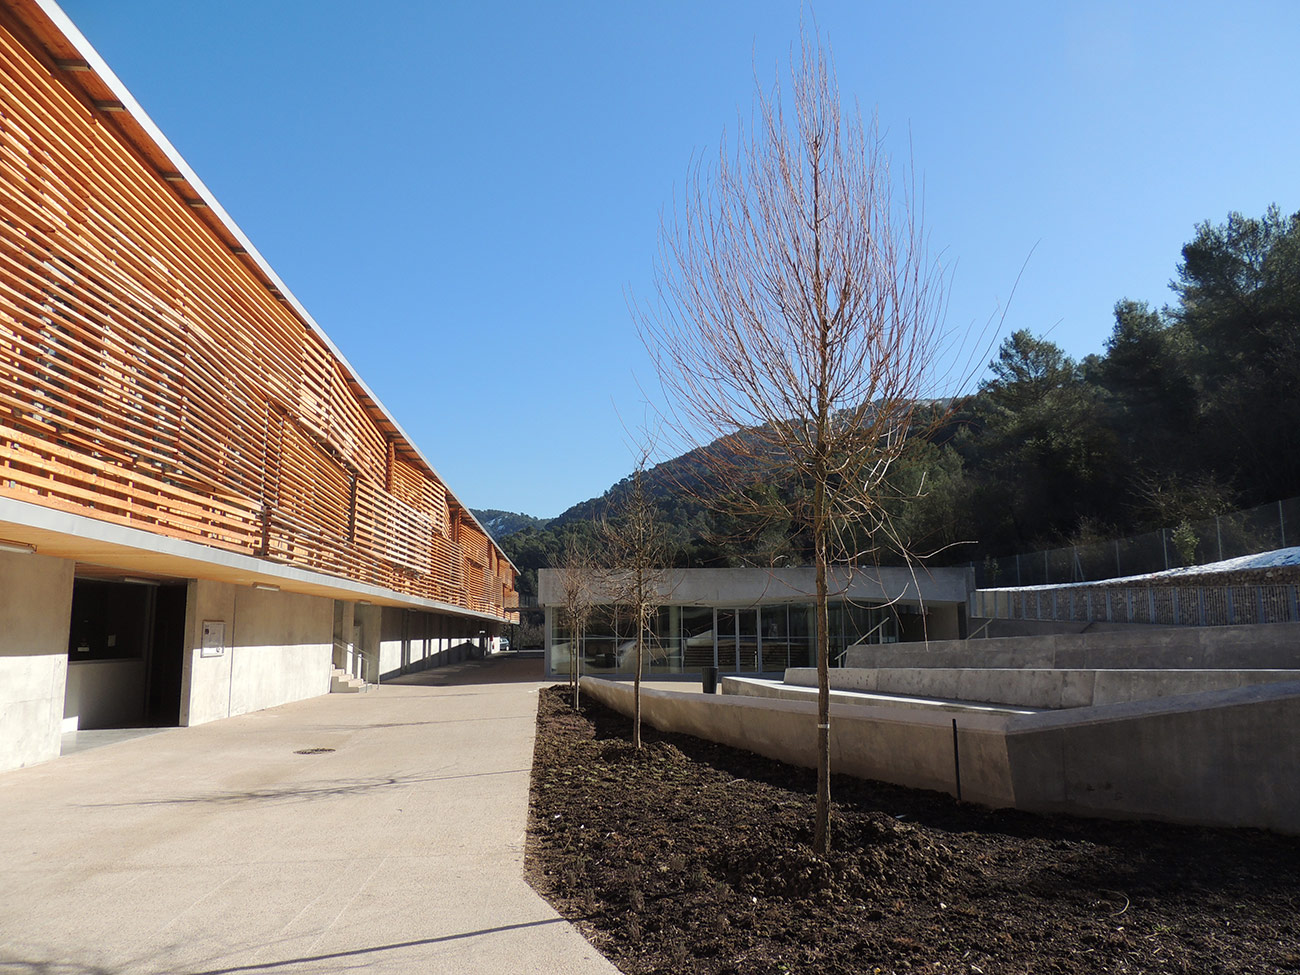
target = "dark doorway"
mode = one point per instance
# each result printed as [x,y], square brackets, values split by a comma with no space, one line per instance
[167,651]
[124,655]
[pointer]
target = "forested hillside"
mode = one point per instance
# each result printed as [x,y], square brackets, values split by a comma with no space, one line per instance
[499,523]
[1190,410]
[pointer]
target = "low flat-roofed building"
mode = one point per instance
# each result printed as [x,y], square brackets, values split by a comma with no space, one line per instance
[203,509]
[757,620]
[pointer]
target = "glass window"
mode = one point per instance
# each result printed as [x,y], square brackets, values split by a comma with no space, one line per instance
[559,642]
[666,656]
[697,637]
[747,640]
[774,632]
[803,624]
[726,630]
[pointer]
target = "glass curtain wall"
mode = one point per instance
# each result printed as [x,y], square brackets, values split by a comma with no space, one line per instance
[685,639]
[697,637]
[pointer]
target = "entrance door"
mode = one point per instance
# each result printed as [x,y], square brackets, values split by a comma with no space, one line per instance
[737,631]
[125,651]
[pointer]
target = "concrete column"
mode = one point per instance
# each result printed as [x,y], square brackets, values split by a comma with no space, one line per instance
[35,612]
[369,623]
[344,622]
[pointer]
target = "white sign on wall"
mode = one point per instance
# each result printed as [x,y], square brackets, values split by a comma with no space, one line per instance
[214,639]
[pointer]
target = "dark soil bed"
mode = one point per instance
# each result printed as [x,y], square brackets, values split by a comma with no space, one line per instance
[694,858]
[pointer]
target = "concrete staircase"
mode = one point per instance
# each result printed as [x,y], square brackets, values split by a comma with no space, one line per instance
[341,682]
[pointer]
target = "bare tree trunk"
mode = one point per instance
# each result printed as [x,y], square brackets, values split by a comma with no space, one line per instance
[822,824]
[636,694]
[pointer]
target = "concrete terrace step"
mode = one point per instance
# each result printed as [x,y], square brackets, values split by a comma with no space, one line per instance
[754,687]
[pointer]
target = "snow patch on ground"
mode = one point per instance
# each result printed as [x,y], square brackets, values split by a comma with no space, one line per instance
[1260,560]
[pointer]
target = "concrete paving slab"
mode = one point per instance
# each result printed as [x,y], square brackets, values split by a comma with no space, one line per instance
[218,850]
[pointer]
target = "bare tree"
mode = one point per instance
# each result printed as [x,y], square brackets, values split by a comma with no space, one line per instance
[799,319]
[637,579]
[577,576]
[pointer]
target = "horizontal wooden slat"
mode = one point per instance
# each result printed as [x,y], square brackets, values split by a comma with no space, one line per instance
[149,377]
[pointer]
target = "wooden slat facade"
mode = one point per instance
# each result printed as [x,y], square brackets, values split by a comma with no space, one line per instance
[151,375]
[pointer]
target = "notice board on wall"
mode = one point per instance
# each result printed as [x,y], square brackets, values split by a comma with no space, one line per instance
[214,639]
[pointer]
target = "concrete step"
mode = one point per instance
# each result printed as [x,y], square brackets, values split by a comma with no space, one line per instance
[341,682]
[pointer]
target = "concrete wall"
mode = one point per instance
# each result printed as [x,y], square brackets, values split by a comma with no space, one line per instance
[104,694]
[751,587]
[278,649]
[989,628]
[872,743]
[1037,687]
[1225,758]
[411,640]
[393,641]
[1272,646]
[942,622]
[1220,758]
[35,611]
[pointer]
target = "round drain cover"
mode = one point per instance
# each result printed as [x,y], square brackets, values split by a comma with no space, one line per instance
[313,751]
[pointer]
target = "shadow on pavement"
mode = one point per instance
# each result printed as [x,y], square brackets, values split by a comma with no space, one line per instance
[306,792]
[362,957]
[362,953]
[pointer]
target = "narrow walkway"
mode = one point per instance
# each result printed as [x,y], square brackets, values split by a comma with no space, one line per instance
[220,849]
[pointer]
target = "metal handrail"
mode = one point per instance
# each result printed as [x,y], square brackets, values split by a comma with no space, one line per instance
[365,667]
[862,642]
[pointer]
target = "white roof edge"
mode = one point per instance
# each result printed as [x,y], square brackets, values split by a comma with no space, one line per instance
[101,68]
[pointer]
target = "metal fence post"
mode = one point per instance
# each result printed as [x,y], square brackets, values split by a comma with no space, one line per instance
[1281,523]
[1164,545]
[1151,604]
[1218,531]
[1118,573]
[1259,604]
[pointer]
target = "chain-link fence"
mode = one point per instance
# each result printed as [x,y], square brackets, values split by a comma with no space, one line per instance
[1262,529]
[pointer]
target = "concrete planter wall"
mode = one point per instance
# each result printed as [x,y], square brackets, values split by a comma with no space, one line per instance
[1218,758]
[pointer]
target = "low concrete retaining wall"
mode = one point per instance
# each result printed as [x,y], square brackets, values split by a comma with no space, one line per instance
[1223,758]
[1272,646]
[1034,687]
[1219,758]
[886,744]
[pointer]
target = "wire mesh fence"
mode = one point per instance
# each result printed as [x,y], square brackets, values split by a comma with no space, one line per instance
[1261,529]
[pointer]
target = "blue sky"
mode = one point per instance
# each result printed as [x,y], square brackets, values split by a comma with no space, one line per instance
[478,185]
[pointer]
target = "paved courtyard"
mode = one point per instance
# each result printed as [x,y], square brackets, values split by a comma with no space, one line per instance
[219,849]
